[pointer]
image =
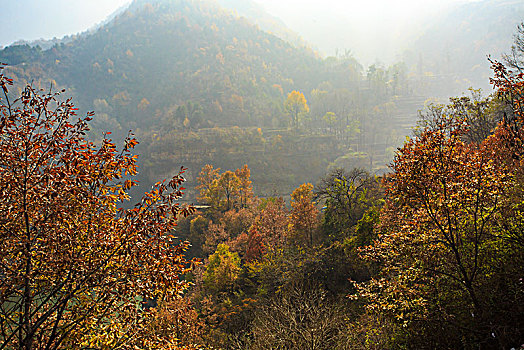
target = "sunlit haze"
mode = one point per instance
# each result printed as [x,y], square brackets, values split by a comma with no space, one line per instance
[365,10]
[370,22]
[379,28]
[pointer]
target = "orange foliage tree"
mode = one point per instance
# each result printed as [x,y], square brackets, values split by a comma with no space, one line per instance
[227,190]
[447,263]
[75,268]
[269,229]
[304,216]
[245,188]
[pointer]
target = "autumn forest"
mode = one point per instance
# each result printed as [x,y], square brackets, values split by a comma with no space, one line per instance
[191,174]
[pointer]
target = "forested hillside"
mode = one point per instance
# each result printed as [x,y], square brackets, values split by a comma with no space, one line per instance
[172,52]
[199,85]
[452,49]
[333,206]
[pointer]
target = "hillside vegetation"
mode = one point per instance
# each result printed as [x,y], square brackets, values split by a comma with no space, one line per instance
[333,206]
[198,84]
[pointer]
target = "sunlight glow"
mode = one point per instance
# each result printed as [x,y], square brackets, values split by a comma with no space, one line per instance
[375,24]
[370,21]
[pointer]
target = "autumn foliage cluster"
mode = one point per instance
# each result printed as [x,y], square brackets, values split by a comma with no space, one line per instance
[261,253]
[451,233]
[429,256]
[76,269]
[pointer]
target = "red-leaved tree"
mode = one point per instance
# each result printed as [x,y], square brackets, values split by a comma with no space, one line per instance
[75,268]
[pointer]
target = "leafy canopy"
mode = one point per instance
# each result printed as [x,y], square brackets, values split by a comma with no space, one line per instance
[74,266]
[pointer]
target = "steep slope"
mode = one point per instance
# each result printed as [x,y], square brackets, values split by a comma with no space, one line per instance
[255,13]
[453,48]
[200,85]
[154,57]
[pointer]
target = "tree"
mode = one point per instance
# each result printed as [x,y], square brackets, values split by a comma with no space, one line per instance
[480,115]
[272,222]
[444,250]
[298,319]
[194,112]
[245,189]
[207,179]
[296,106]
[228,185]
[331,119]
[144,103]
[227,190]
[181,113]
[516,58]
[304,216]
[348,195]
[74,267]
[222,270]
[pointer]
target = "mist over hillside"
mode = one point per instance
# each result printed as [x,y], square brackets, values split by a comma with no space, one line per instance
[200,85]
[199,81]
[447,40]
[456,44]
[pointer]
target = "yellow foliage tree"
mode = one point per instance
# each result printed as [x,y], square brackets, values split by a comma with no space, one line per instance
[227,190]
[245,189]
[296,106]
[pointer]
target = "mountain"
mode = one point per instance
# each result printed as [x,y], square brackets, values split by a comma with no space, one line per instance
[197,84]
[201,84]
[255,13]
[455,45]
[171,52]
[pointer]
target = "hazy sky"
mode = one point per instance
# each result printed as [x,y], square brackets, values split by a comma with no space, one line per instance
[378,28]
[34,19]
[365,9]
